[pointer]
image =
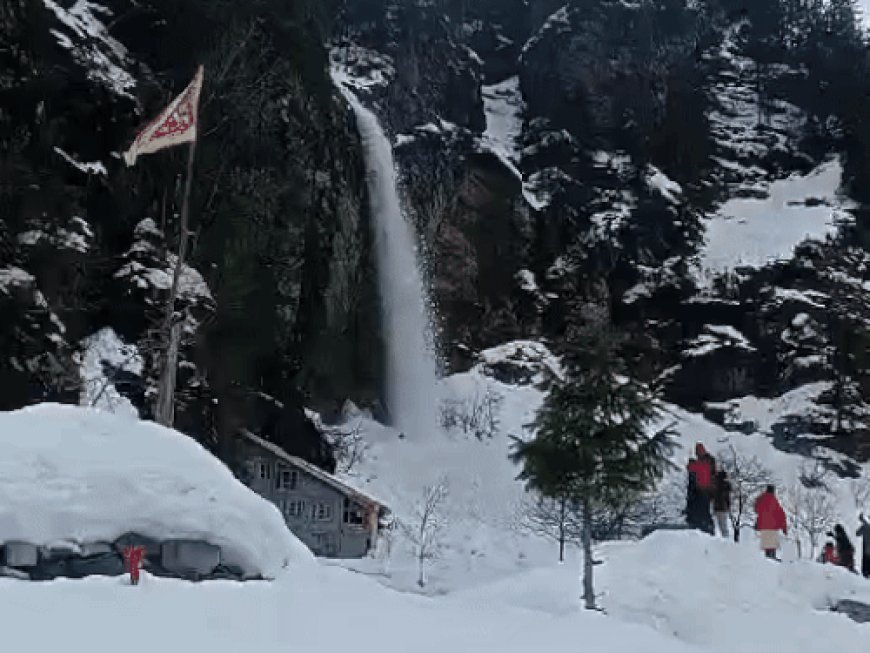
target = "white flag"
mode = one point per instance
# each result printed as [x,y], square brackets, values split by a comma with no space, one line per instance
[175,125]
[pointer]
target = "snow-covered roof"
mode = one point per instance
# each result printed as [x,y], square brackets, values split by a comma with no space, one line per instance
[312,470]
[71,473]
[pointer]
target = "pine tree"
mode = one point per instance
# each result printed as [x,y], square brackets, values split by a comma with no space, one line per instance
[593,438]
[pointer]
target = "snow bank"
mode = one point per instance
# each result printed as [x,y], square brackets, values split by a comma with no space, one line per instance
[299,612]
[78,474]
[729,598]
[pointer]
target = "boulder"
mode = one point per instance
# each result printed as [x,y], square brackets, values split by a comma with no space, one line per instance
[20,554]
[9,572]
[152,546]
[91,549]
[109,564]
[190,558]
[855,610]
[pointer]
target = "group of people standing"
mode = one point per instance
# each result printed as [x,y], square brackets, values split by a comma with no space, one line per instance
[709,487]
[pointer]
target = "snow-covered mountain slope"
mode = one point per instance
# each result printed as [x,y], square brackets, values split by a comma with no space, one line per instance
[484,536]
[80,475]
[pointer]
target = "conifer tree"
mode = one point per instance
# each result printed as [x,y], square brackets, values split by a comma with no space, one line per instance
[594,438]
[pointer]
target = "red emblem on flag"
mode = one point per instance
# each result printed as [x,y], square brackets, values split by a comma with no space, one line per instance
[175,125]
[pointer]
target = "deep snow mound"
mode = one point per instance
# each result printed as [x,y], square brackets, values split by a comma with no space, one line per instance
[70,473]
[728,598]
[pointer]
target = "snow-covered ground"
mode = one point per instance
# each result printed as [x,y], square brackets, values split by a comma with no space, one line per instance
[702,591]
[82,475]
[310,608]
[753,232]
[492,586]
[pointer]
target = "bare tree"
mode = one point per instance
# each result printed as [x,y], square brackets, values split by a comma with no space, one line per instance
[663,506]
[748,477]
[349,446]
[555,519]
[426,528]
[861,492]
[811,511]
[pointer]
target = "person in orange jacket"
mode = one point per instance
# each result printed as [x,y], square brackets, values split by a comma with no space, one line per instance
[769,521]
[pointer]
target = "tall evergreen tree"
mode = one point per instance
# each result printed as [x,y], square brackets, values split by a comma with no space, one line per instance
[593,440]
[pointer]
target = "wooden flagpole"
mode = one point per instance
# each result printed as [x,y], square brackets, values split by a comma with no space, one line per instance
[171,330]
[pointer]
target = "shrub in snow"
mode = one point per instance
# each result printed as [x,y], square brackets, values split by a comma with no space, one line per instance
[476,415]
[76,474]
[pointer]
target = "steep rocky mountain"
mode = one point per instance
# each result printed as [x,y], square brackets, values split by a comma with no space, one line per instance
[666,158]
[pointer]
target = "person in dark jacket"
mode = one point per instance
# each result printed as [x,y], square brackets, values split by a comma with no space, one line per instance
[864,532]
[845,549]
[722,501]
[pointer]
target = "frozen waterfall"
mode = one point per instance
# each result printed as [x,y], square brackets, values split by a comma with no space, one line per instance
[411,365]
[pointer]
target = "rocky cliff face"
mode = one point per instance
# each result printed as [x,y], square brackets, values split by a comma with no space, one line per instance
[665,159]
[556,152]
[278,297]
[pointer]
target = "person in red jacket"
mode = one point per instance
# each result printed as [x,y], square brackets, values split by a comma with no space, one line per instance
[829,555]
[703,466]
[769,521]
[133,557]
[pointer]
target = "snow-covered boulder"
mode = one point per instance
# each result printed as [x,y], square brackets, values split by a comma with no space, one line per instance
[520,362]
[69,473]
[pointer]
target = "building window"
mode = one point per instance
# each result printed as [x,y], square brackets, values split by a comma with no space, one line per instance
[321,512]
[293,509]
[265,470]
[287,479]
[352,513]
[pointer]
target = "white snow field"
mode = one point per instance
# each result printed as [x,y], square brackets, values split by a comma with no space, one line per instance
[754,232]
[310,608]
[70,473]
